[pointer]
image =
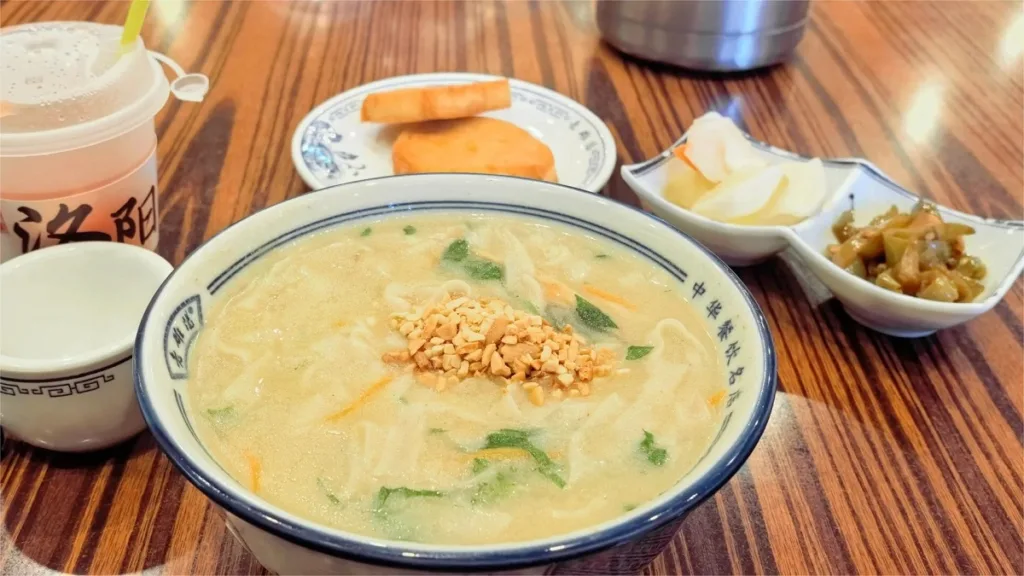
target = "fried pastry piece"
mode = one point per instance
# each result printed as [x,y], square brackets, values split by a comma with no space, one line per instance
[436,102]
[478,145]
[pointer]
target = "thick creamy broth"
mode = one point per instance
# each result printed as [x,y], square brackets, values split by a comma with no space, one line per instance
[292,394]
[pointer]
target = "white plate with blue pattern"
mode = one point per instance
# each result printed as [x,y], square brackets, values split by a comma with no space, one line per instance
[332,146]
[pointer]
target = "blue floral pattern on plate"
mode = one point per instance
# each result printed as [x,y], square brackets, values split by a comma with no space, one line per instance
[322,153]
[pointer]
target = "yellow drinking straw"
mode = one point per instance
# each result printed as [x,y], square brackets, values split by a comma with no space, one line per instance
[133,24]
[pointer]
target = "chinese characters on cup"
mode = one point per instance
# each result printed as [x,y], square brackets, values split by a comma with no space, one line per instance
[134,222]
[121,211]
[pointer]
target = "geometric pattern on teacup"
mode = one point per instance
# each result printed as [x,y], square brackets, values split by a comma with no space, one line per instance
[61,387]
[58,390]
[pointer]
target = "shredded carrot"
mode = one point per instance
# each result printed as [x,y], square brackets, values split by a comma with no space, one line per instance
[255,470]
[556,291]
[597,292]
[366,395]
[715,399]
[680,152]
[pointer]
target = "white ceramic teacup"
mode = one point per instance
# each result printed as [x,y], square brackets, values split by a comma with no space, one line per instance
[68,319]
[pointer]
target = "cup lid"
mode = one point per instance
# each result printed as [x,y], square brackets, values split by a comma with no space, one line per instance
[65,85]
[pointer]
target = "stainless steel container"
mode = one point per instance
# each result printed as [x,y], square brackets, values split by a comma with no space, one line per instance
[713,35]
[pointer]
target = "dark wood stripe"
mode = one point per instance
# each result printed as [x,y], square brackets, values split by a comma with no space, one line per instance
[601,99]
[171,111]
[983,192]
[145,520]
[547,76]
[908,483]
[280,128]
[835,114]
[193,190]
[504,43]
[968,102]
[979,475]
[829,41]
[19,508]
[1012,324]
[970,405]
[75,537]
[165,514]
[842,393]
[749,516]
[907,505]
[571,87]
[803,320]
[705,532]
[987,378]
[970,199]
[98,523]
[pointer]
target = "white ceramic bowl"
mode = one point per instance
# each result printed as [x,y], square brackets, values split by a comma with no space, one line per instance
[68,320]
[857,184]
[286,543]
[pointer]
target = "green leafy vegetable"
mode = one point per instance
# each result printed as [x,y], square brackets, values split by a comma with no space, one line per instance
[511,438]
[550,472]
[479,465]
[221,415]
[327,491]
[480,269]
[476,268]
[366,232]
[385,494]
[409,230]
[655,455]
[592,316]
[457,251]
[638,352]
[435,431]
[498,487]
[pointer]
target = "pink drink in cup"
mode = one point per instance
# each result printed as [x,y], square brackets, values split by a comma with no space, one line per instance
[77,137]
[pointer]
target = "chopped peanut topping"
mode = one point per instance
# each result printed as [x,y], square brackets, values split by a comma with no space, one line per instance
[468,337]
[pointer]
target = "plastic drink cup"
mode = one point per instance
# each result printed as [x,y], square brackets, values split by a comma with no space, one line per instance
[77,136]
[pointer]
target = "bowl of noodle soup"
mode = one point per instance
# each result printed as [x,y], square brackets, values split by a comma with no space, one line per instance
[454,372]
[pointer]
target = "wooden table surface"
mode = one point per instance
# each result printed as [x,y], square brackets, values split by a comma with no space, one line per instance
[882,455]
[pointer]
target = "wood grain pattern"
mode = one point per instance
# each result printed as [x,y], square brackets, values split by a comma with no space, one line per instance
[882,455]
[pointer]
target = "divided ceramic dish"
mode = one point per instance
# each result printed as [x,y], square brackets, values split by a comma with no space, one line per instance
[857,184]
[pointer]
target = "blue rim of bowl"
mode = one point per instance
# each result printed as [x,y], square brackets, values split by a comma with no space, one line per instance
[476,560]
